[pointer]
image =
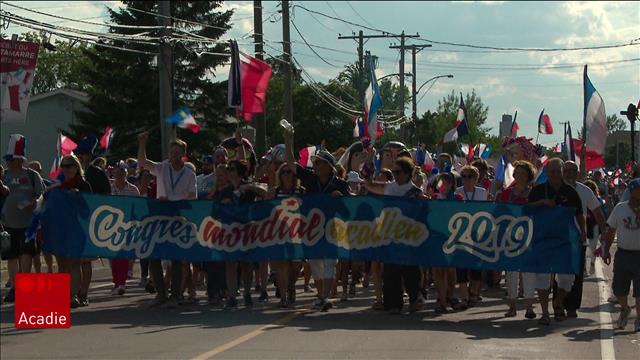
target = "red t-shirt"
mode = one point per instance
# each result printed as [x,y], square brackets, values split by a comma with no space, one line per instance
[508,196]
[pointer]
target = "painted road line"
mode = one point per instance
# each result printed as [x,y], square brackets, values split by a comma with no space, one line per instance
[246,337]
[607,351]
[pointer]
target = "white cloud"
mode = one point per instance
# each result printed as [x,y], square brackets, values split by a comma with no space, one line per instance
[593,25]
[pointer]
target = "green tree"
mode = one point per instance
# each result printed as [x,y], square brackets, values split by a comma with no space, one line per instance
[124,85]
[60,68]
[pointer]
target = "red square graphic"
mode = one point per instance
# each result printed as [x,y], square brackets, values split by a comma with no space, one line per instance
[42,301]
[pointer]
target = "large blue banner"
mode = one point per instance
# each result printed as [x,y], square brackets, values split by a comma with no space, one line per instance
[477,235]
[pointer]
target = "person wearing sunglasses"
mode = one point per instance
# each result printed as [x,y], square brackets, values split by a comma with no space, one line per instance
[395,275]
[470,281]
[322,179]
[239,191]
[73,179]
[287,271]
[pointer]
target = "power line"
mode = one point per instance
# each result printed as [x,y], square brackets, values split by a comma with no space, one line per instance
[357,13]
[336,14]
[496,48]
[177,19]
[311,48]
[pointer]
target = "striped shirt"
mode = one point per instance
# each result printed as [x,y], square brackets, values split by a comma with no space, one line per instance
[128,190]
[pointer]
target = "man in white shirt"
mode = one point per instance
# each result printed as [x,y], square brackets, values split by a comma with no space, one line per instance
[625,221]
[573,300]
[175,182]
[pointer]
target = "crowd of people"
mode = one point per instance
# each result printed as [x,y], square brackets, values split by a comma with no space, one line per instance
[233,175]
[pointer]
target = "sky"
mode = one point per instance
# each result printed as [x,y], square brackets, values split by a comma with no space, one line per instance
[506,81]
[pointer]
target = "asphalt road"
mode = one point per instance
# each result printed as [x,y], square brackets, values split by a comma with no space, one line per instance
[114,327]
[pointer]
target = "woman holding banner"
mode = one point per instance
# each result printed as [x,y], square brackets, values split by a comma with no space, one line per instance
[73,180]
[395,274]
[524,174]
[286,185]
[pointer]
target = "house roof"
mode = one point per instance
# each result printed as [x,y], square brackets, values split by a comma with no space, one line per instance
[76,94]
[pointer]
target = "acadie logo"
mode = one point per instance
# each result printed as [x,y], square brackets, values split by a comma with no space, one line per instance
[42,301]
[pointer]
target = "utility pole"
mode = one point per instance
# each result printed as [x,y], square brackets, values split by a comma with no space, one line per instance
[414,102]
[403,48]
[288,66]
[362,38]
[259,119]
[165,74]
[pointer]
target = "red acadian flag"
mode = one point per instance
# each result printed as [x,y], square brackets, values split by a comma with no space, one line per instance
[255,75]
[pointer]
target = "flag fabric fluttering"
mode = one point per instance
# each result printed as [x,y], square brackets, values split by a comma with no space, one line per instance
[184,119]
[234,95]
[544,124]
[557,148]
[568,147]
[595,119]
[461,127]
[482,151]
[107,138]
[504,172]
[372,102]
[592,159]
[468,151]
[64,147]
[359,126]
[542,173]
[255,75]
[514,126]
[306,153]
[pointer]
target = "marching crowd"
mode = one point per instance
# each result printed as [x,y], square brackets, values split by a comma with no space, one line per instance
[233,175]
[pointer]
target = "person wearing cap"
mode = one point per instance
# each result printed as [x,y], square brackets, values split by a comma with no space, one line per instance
[206,181]
[99,181]
[174,182]
[121,187]
[589,202]
[396,275]
[635,175]
[624,222]
[322,179]
[25,187]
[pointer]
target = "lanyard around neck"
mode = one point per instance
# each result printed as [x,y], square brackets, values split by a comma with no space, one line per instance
[473,195]
[175,183]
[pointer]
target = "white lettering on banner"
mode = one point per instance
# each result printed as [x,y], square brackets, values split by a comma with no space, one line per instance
[486,237]
[388,228]
[284,225]
[107,228]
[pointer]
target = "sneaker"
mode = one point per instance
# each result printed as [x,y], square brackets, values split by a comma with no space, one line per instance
[264,297]
[247,300]
[307,288]
[318,303]
[624,318]
[572,314]
[158,302]
[326,306]
[292,298]
[114,291]
[231,303]
[75,303]
[613,299]
[530,314]
[83,301]
[11,296]
[129,275]
[150,288]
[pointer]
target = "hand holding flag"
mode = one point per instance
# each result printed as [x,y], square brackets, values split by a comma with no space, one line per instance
[183,119]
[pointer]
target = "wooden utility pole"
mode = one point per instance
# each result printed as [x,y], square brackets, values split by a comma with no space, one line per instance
[414,50]
[288,66]
[165,74]
[259,119]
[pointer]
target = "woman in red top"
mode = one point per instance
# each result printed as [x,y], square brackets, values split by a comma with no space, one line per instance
[524,173]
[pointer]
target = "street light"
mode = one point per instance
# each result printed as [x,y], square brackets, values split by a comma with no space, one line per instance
[433,78]
[414,103]
[390,75]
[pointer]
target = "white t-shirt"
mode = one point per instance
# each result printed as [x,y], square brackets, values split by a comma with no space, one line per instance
[205,182]
[478,194]
[393,189]
[587,197]
[174,185]
[624,220]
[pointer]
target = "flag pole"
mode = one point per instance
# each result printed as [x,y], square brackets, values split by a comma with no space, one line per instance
[583,152]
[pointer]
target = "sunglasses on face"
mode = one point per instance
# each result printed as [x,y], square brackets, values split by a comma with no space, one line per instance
[468,176]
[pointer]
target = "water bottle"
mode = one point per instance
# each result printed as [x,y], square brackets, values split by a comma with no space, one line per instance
[285,124]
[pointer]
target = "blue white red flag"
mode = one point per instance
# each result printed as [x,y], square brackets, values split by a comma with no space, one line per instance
[595,119]
[306,154]
[544,124]
[461,127]
[183,119]
[372,102]
[107,138]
